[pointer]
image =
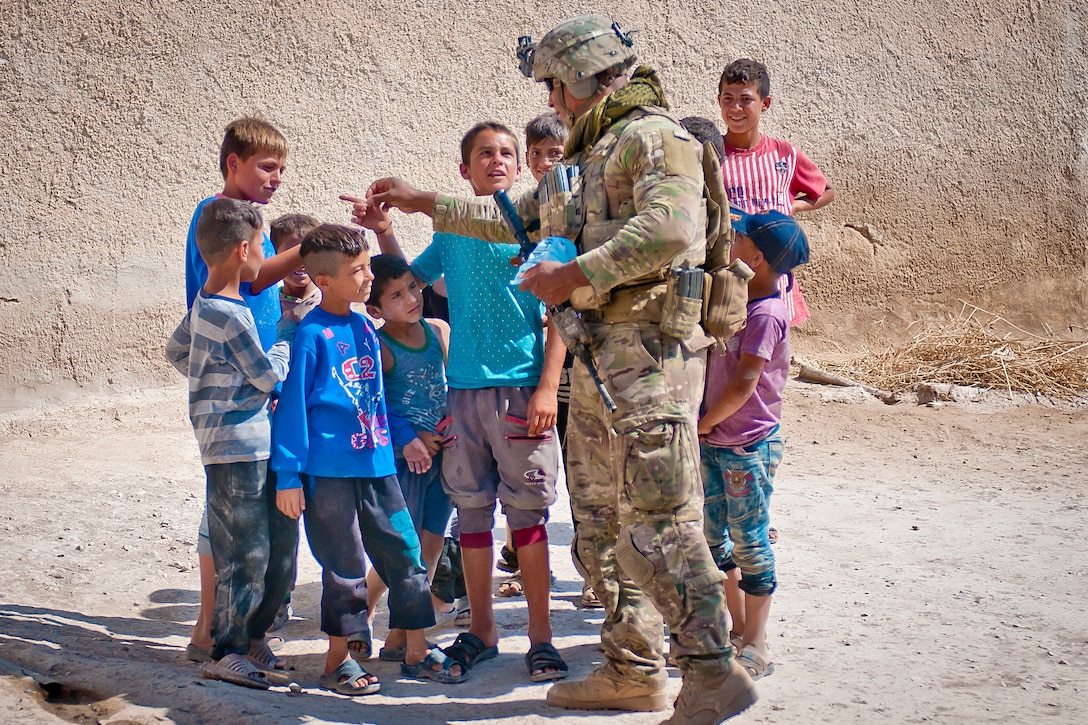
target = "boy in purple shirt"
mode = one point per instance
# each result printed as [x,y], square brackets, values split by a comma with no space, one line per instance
[738,428]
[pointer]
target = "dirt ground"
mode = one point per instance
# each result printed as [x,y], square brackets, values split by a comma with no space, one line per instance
[931,564]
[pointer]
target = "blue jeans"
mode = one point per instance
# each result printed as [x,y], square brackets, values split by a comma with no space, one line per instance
[737,487]
[253,547]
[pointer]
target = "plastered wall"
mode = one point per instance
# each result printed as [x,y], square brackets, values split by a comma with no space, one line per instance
[955,133]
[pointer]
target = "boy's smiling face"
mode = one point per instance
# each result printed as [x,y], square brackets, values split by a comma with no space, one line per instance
[256,177]
[741,107]
[492,163]
[351,282]
[543,155]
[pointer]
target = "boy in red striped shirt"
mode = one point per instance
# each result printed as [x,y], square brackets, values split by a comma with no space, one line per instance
[764,173]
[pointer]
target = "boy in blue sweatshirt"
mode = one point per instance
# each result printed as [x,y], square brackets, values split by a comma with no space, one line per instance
[332,446]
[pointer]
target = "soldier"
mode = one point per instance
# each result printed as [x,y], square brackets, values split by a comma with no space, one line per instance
[630,194]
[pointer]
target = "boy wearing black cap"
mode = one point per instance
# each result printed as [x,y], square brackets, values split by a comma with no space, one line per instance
[739,432]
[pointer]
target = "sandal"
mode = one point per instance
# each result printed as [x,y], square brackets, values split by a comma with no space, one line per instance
[397,654]
[511,586]
[344,679]
[589,598]
[508,560]
[262,655]
[540,658]
[757,667]
[360,645]
[468,650]
[425,669]
[237,670]
[772,535]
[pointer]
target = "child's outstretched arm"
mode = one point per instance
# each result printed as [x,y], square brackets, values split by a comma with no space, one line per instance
[737,391]
[273,269]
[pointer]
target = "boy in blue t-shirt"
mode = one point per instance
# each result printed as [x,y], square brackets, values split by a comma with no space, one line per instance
[252,159]
[332,448]
[502,443]
[230,380]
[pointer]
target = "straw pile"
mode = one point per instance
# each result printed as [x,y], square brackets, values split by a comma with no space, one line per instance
[971,349]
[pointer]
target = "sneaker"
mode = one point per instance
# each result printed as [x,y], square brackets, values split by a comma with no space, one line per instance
[707,699]
[605,689]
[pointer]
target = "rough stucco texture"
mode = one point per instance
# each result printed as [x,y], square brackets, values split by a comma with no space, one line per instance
[955,133]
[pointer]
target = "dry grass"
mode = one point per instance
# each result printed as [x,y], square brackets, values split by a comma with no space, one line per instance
[980,349]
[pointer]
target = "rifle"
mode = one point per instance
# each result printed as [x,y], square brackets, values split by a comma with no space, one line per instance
[566,319]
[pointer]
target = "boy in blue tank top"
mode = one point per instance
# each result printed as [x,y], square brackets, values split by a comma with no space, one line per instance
[414,365]
[332,446]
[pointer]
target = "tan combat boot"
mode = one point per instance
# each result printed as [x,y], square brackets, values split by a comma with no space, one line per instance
[605,689]
[707,699]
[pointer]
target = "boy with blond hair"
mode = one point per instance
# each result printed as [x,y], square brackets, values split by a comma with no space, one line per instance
[333,442]
[252,160]
[217,348]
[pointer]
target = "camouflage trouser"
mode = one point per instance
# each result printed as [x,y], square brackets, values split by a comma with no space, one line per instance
[637,497]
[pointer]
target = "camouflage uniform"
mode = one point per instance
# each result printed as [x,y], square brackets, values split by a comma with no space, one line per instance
[634,475]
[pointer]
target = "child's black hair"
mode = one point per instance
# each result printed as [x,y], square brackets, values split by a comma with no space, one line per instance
[386,268]
[225,223]
[326,247]
[746,70]
[705,131]
[545,126]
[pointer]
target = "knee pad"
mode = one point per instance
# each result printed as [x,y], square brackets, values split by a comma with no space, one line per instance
[531,535]
[482,540]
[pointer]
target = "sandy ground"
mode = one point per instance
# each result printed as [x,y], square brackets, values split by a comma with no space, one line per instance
[932,569]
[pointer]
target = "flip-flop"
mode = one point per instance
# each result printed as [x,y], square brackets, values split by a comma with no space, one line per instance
[541,656]
[397,654]
[342,680]
[262,655]
[364,647]
[464,613]
[236,669]
[511,586]
[757,667]
[468,650]
[424,669]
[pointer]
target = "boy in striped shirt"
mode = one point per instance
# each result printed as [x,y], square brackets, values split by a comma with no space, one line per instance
[763,173]
[217,348]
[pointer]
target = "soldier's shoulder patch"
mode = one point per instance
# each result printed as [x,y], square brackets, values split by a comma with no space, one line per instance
[681,154]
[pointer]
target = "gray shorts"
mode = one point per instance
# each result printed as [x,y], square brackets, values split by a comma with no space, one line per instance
[489,455]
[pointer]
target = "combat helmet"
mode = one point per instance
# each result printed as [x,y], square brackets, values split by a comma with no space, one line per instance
[575,51]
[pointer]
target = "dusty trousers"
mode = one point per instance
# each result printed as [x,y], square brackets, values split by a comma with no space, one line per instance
[637,498]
